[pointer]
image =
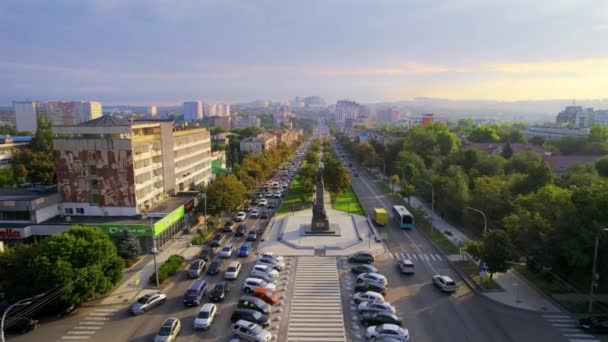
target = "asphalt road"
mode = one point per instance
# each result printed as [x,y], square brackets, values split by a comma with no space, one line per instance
[429,314]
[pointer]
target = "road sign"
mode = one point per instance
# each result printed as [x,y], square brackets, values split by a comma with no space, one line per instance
[383,236]
[482,273]
[137,279]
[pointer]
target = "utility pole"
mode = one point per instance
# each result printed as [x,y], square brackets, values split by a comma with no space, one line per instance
[594,275]
[485,220]
[155,251]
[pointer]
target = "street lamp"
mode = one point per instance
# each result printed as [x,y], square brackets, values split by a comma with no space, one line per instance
[432,195]
[154,251]
[23,302]
[485,220]
[594,275]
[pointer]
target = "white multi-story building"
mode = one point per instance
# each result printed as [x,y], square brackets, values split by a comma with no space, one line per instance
[346,110]
[259,143]
[152,111]
[59,112]
[216,109]
[193,111]
[26,115]
[245,121]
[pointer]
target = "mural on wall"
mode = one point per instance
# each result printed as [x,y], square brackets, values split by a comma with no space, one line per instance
[109,174]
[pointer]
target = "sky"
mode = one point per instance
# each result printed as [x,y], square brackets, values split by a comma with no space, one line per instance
[169,51]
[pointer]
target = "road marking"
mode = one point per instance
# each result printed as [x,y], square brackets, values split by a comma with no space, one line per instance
[91,323]
[556,316]
[87,327]
[565,325]
[84,332]
[581,340]
[579,335]
[75,337]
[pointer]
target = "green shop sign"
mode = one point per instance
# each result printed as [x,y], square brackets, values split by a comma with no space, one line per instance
[113,230]
[168,220]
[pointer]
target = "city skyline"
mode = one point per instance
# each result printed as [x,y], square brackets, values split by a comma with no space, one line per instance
[165,53]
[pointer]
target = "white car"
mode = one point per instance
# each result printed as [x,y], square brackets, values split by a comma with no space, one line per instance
[233,270]
[284,185]
[254,213]
[263,202]
[240,216]
[168,330]
[277,194]
[271,255]
[248,331]
[445,283]
[375,278]
[376,305]
[367,296]
[264,272]
[251,284]
[205,316]
[274,263]
[226,251]
[269,194]
[388,330]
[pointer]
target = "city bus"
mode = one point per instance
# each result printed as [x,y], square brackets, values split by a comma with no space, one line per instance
[402,216]
[380,216]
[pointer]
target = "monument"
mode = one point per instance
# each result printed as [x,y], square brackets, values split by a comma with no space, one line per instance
[320,223]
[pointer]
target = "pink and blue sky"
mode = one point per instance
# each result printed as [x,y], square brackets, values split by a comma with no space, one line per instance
[167,51]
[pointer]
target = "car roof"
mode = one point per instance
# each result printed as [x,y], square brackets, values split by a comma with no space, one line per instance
[169,322]
[388,326]
[407,261]
[234,263]
[207,307]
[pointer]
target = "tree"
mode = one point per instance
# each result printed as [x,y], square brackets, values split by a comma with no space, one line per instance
[127,245]
[537,140]
[307,175]
[507,150]
[473,248]
[490,195]
[602,166]
[394,179]
[335,177]
[496,251]
[36,164]
[484,134]
[312,157]
[225,194]
[82,263]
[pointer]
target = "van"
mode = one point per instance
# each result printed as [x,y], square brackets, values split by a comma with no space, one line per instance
[195,293]
[380,216]
[250,302]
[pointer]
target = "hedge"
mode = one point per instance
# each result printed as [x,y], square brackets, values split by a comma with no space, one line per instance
[167,269]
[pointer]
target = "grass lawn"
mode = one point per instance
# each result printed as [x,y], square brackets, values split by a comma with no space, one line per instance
[471,268]
[342,203]
[293,197]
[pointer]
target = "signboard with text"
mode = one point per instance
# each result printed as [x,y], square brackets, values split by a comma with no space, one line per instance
[114,230]
[168,220]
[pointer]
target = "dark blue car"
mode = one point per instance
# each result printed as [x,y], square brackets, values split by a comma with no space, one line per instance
[245,249]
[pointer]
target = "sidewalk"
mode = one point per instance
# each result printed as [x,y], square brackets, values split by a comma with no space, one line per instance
[518,292]
[135,279]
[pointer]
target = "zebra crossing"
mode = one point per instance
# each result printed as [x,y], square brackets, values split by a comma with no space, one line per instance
[415,256]
[316,307]
[568,327]
[93,322]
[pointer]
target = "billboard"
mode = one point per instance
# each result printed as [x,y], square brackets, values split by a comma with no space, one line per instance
[168,220]
[114,230]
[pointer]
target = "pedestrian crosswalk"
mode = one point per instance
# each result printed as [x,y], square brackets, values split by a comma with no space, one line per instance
[415,256]
[316,305]
[89,325]
[568,327]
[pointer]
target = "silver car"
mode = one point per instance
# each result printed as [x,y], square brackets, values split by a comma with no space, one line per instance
[147,302]
[248,331]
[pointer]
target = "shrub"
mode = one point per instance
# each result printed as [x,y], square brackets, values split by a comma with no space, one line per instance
[167,269]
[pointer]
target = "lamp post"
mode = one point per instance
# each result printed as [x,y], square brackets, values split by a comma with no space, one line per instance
[205,212]
[23,302]
[154,252]
[485,220]
[593,269]
[432,195]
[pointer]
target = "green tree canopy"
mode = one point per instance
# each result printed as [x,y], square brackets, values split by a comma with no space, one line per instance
[225,194]
[602,166]
[127,245]
[497,250]
[335,177]
[485,134]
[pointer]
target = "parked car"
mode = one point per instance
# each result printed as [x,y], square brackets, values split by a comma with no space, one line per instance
[367,296]
[272,262]
[594,324]
[217,240]
[215,267]
[363,268]
[372,278]
[207,253]
[21,325]
[240,230]
[388,330]
[226,251]
[252,235]
[445,283]
[147,302]
[378,318]
[363,287]
[249,331]
[168,330]
[195,293]
[240,216]
[263,202]
[271,255]
[264,215]
[205,317]
[363,257]
[251,284]
[219,292]
[245,250]
[406,266]
[228,227]
[268,296]
[233,270]
[250,302]
[376,305]
[254,213]
[251,316]
[264,272]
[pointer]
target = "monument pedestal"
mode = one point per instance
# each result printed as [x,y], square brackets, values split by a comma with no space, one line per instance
[334,230]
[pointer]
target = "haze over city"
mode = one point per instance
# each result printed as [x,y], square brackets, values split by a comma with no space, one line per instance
[165,52]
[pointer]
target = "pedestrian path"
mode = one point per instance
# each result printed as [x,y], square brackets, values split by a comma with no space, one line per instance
[89,325]
[316,307]
[568,327]
[415,256]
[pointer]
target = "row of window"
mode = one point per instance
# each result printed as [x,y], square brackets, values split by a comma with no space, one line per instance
[70,211]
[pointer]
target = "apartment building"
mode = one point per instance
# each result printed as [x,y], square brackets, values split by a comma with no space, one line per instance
[259,143]
[245,121]
[115,167]
[59,112]
[8,146]
[193,111]
[216,109]
[346,110]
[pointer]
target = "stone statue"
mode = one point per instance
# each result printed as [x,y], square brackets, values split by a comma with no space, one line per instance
[319,216]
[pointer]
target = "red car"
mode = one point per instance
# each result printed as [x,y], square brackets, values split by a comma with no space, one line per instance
[268,296]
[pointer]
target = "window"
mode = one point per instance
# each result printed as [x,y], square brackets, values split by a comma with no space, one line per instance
[79,210]
[69,211]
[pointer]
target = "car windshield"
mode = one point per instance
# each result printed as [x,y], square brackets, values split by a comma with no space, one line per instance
[194,266]
[451,283]
[226,249]
[231,269]
[143,300]
[203,314]
[191,293]
[256,330]
[164,331]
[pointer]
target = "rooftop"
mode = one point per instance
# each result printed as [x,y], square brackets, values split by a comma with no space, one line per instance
[27,194]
